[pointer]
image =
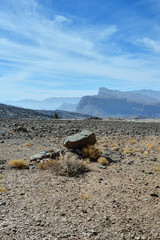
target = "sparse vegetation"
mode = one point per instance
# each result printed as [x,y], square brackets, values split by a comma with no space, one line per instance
[132,141]
[3,189]
[70,166]
[91,152]
[85,196]
[127,150]
[156,168]
[18,163]
[55,116]
[150,146]
[27,144]
[103,160]
[66,165]
[48,164]
[146,153]
[136,150]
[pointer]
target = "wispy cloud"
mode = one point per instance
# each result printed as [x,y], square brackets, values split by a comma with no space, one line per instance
[152,44]
[51,51]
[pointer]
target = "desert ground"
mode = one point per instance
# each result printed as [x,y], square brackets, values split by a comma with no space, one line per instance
[117,202]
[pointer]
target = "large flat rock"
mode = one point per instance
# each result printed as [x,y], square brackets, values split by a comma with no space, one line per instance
[80,140]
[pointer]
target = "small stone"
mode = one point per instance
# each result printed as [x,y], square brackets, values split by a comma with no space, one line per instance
[102,166]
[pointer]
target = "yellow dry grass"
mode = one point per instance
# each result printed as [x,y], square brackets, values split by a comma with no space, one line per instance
[91,152]
[85,196]
[103,160]
[27,144]
[3,189]
[127,150]
[156,168]
[18,163]
[132,141]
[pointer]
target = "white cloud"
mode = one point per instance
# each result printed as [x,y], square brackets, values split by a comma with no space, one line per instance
[47,51]
[152,44]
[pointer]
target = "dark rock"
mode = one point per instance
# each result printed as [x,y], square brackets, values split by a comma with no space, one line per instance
[80,140]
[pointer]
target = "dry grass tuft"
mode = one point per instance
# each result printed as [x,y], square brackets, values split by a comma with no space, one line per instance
[27,144]
[1,176]
[87,161]
[103,160]
[3,189]
[127,151]
[156,168]
[150,146]
[136,150]
[18,163]
[132,141]
[115,147]
[85,196]
[146,153]
[47,165]
[91,152]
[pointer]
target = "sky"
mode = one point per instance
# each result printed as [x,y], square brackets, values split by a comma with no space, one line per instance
[52,48]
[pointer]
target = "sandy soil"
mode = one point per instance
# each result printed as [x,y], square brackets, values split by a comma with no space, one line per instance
[120,202]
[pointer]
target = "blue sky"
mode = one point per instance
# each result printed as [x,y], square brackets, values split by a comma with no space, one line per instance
[52,48]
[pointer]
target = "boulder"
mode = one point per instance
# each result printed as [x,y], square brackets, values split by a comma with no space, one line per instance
[80,140]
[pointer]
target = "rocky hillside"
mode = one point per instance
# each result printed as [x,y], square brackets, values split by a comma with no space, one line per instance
[11,112]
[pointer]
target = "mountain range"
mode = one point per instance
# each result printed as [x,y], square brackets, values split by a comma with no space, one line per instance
[107,103]
[47,104]
[115,103]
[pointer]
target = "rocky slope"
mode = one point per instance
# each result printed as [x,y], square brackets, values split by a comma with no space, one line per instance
[11,112]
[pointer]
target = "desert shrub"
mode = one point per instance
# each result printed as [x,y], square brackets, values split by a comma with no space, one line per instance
[150,146]
[47,165]
[156,168]
[66,165]
[1,176]
[91,152]
[158,149]
[85,196]
[69,165]
[127,151]
[3,189]
[136,150]
[55,116]
[18,163]
[27,144]
[146,153]
[103,160]
[87,161]
[132,141]
[115,147]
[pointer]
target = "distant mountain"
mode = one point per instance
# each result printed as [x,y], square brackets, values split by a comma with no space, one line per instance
[68,107]
[115,103]
[151,93]
[46,104]
[140,96]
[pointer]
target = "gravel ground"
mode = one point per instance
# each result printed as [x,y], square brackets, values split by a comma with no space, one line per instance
[120,202]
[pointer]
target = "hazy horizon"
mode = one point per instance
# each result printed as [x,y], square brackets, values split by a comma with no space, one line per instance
[61,49]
